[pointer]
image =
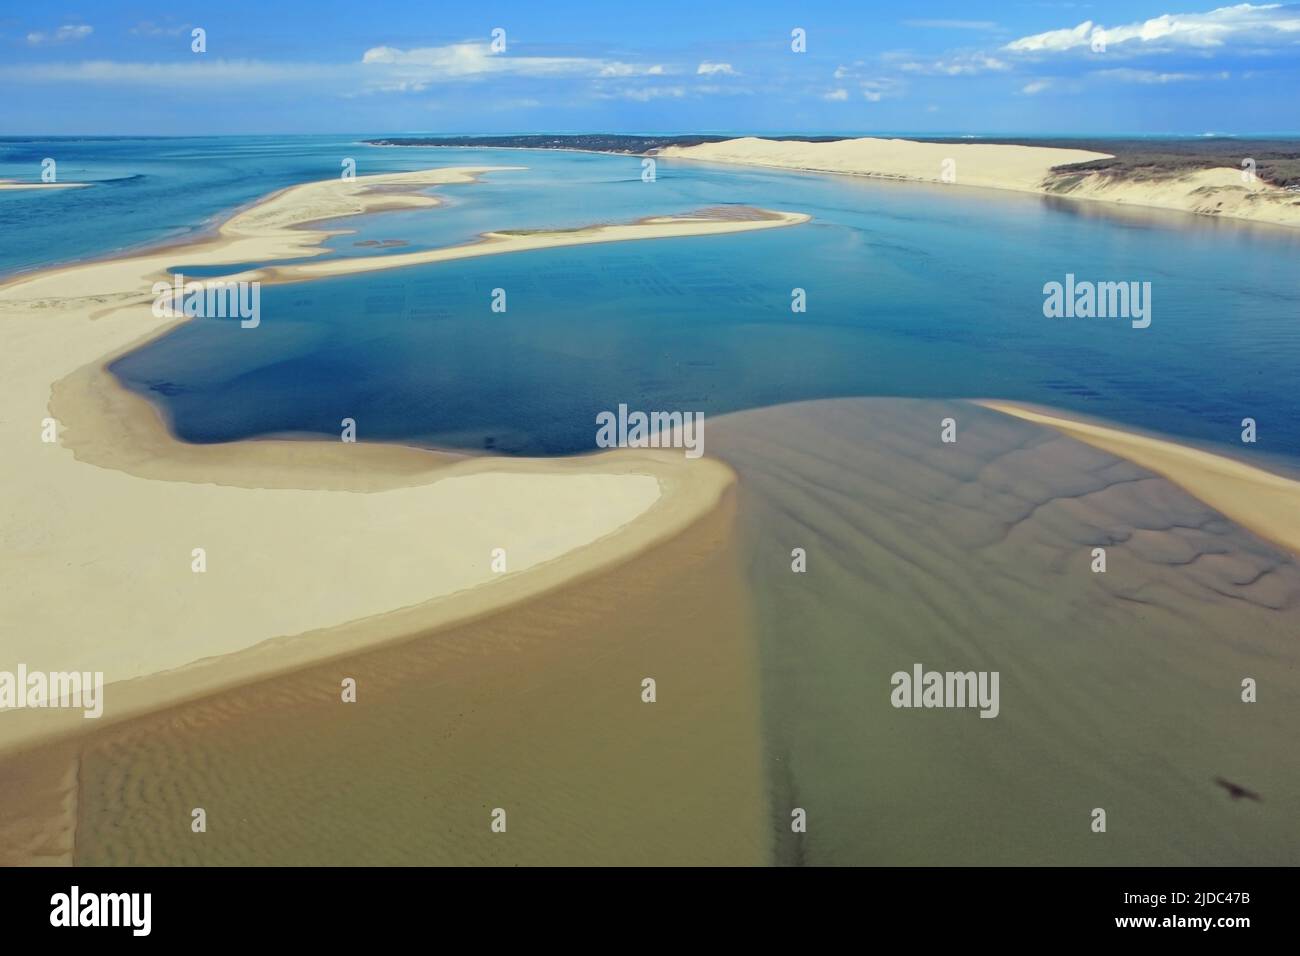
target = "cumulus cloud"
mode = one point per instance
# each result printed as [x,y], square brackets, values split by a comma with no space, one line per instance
[836,96]
[1036,86]
[711,69]
[1244,23]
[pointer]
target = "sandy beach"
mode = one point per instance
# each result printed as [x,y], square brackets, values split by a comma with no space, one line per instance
[312,548]
[1210,192]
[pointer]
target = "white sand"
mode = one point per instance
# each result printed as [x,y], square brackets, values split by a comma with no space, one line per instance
[1217,192]
[15,184]
[1266,503]
[974,164]
[343,544]
[496,242]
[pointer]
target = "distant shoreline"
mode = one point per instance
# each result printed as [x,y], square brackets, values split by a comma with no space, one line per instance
[1277,158]
[1204,177]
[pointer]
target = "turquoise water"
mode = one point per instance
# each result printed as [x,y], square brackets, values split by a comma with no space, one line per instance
[911,290]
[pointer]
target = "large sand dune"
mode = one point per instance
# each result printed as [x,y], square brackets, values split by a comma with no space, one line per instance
[1212,192]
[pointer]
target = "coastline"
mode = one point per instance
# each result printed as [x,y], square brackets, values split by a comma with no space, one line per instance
[116,453]
[1216,193]
[375,542]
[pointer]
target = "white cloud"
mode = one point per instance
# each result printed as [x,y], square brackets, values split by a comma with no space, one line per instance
[147,28]
[871,86]
[836,96]
[710,69]
[390,69]
[962,65]
[1151,76]
[648,93]
[67,33]
[1244,23]
[1037,86]
[382,69]
[183,73]
[472,59]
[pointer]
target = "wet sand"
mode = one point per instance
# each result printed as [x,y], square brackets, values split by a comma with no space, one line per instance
[536,710]
[1264,502]
[311,548]
[1118,690]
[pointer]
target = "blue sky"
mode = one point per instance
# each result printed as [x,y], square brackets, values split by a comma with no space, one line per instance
[1169,66]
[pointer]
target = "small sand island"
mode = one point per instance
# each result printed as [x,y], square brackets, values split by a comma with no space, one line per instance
[706,222]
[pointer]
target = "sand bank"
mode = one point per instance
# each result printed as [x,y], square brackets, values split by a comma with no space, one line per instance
[535,708]
[1118,690]
[312,549]
[1217,192]
[1266,503]
[15,184]
[491,243]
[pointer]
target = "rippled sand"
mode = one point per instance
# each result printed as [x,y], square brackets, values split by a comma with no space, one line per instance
[1118,690]
[536,710]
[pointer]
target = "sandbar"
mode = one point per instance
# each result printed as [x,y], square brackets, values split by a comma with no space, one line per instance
[312,549]
[1266,503]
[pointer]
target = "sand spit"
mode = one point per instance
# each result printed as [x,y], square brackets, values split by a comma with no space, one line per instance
[309,549]
[1266,503]
[1213,192]
[14,184]
[657,227]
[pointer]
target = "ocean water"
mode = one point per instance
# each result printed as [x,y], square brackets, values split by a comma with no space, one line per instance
[911,291]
